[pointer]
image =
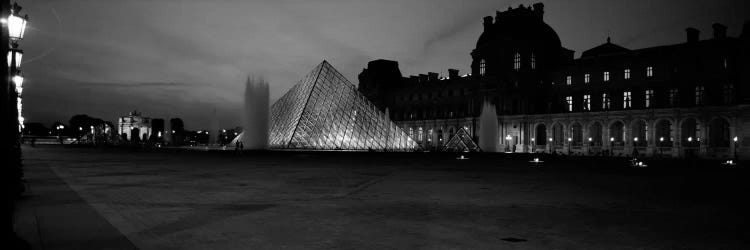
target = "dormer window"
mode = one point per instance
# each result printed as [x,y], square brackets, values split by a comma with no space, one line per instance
[517,61]
[482,67]
[606,76]
[627,74]
[569,80]
[649,71]
[533,61]
[586,78]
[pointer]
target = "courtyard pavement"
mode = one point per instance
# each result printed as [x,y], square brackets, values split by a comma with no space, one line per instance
[93,198]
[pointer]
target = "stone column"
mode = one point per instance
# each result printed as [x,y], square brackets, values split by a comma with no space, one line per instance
[703,135]
[676,136]
[651,138]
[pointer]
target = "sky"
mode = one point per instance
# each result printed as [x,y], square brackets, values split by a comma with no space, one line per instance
[190,58]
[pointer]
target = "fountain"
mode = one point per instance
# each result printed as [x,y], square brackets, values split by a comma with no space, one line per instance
[255,129]
[488,128]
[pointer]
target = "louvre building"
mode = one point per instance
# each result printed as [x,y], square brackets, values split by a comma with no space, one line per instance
[688,99]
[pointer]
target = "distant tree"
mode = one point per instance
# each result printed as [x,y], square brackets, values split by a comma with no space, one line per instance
[81,124]
[36,129]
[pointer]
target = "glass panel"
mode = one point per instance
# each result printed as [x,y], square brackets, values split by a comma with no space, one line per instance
[325,111]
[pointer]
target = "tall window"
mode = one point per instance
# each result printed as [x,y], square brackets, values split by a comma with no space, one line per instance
[420,134]
[586,78]
[533,60]
[411,132]
[728,93]
[605,101]
[569,80]
[606,76]
[649,97]
[429,135]
[569,102]
[726,64]
[627,74]
[649,71]
[482,67]
[587,102]
[626,100]
[673,97]
[517,61]
[699,95]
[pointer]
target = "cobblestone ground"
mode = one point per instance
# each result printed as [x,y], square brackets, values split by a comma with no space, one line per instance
[297,200]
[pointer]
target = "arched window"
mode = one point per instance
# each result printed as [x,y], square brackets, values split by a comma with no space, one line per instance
[533,60]
[482,67]
[420,134]
[517,61]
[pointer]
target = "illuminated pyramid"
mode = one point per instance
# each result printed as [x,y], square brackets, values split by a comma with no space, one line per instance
[324,111]
[461,142]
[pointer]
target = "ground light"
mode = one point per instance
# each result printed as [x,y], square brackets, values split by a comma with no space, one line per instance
[536,162]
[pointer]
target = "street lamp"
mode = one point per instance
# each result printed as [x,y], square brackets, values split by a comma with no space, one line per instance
[735,139]
[16,24]
[508,138]
[18,81]
[14,57]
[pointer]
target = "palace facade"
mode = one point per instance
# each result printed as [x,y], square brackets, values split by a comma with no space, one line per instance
[691,98]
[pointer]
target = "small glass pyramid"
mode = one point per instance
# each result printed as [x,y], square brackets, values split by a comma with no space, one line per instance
[461,142]
[324,111]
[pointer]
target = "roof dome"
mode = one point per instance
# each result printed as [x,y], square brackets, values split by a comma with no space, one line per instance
[520,25]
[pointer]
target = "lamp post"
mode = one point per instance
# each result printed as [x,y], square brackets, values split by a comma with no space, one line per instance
[508,138]
[13,28]
[735,139]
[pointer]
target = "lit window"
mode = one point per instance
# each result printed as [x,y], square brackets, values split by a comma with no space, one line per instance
[569,80]
[626,100]
[726,64]
[649,97]
[533,60]
[569,101]
[605,101]
[420,134]
[411,132]
[606,76]
[649,71]
[728,93]
[482,67]
[699,95]
[517,61]
[673,97]
[586,78]
[429,135]
[587,102]
[627,74]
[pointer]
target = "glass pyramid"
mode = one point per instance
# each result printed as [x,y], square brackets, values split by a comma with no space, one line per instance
[461,142]
[324,111]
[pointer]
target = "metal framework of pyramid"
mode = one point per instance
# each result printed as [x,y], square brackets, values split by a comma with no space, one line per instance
[324,111]
[461,142]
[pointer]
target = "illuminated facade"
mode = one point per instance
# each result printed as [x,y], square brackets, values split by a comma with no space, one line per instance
[134,126]
[324,111]
[687,99]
